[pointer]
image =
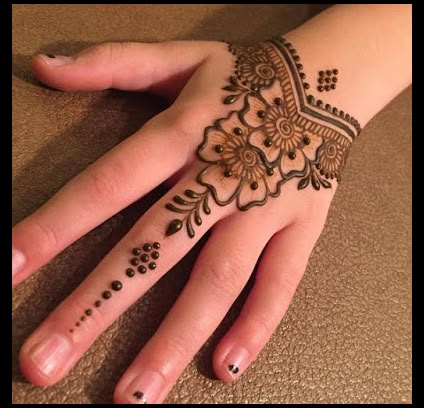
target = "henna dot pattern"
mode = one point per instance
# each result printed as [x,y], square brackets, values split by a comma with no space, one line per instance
[145,253]
[139,396]
[233,369]
[136,251]
[329,78]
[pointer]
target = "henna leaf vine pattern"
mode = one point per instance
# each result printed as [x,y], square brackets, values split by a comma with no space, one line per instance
[279,134]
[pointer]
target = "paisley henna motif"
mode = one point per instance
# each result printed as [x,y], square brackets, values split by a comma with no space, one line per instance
[279,134]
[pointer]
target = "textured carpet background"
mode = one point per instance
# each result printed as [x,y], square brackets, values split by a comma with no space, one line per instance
[347,335]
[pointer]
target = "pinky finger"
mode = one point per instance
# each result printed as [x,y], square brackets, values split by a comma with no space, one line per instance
[280,271]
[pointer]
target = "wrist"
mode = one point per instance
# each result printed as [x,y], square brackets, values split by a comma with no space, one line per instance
[362,51]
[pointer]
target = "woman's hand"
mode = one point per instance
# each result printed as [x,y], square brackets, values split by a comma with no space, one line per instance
[252,168]
[253,148]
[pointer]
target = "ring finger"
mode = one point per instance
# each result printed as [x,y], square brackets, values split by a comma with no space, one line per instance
[218,277]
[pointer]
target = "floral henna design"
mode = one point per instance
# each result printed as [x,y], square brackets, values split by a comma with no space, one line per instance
[143,258]
[279,134]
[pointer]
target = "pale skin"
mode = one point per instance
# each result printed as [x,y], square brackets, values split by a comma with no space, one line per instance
[371,45]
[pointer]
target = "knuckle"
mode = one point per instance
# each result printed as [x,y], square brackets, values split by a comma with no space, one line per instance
[310,227]
[104,183]
[180,346]
[315,212]
[189,119]
[262,325]
[47,235]
[181,120]
[104,57]
[226,278]
[180,125]
[108,50]
[287,284]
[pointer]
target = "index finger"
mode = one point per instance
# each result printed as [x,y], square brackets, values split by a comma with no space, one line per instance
[110,184]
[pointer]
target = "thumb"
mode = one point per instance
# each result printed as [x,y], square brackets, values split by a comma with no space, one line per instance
[162,68]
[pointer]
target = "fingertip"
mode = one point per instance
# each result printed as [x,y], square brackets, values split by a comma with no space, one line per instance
[30,371]
[52,60]
[226,370]
[48,68]
[46,357]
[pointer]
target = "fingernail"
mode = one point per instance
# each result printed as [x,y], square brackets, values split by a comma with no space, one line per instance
[18,261]
[236,361]
[144,389]
[50,353]
[56,60]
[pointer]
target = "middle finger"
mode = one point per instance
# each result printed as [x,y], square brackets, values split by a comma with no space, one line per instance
[220,273]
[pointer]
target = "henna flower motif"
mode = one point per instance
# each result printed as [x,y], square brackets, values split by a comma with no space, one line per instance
[256,70]
[333,156]
[236,168]
[253,65]
[285,137]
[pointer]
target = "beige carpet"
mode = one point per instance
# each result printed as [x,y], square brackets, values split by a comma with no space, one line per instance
[347,335]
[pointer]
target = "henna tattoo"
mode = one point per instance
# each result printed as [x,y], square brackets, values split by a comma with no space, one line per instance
[327,80]
[233,369]
[190,208]
[142,254]
[279,134]
[106,294]
[139,396]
